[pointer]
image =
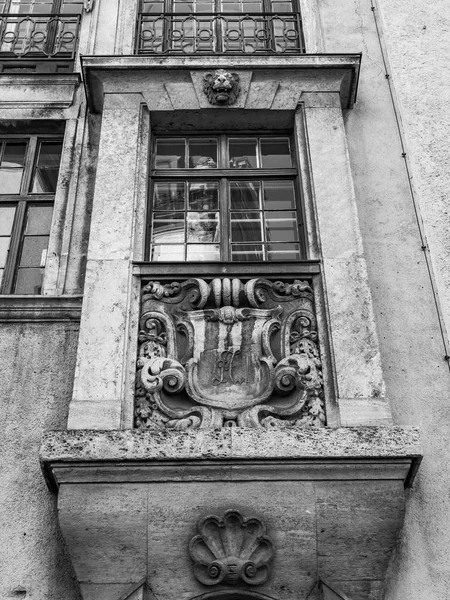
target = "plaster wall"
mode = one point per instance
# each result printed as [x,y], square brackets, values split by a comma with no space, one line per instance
[37,363]
[412,347]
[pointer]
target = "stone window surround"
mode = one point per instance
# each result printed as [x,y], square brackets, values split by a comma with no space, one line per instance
[130,111]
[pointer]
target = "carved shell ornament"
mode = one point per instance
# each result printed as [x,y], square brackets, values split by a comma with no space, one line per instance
[221,87]
[231,549]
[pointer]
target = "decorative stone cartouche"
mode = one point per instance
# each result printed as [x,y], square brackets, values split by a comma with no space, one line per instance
[228,353]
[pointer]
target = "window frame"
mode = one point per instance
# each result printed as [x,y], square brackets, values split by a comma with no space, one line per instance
[22,201]
[225,176]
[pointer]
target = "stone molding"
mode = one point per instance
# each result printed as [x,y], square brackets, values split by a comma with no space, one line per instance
[231,454]
[34,309]
[39,90]
[180,83]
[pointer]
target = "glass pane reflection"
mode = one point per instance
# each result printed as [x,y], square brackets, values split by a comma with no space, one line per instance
[246,227]
[275,153]
[245,195]
[243,153]
[279,195]
[169,195]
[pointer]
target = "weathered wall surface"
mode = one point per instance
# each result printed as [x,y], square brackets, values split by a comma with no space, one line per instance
[417,376]
[37,363]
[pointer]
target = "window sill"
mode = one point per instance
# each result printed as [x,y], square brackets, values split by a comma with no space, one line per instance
[227,269]
[38,309]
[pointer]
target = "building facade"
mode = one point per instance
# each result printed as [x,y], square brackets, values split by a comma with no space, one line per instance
[224,299]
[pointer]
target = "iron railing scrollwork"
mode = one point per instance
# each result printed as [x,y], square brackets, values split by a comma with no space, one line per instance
[39,36]
[220,33]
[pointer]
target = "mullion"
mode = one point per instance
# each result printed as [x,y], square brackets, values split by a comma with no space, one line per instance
[14,247]
[30,161]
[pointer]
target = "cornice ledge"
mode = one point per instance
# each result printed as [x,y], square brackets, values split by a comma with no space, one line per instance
[343,68]
[38,90]
[357,448]
[35,309]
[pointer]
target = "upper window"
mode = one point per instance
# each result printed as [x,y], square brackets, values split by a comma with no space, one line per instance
[225,198]
[39,28]
[219,26]
[29,170]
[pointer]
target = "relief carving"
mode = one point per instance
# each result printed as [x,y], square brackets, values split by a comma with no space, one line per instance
[221,87]
[228,353]
[232,550]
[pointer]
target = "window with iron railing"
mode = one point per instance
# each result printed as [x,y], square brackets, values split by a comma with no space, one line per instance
[219,27]
[39,29]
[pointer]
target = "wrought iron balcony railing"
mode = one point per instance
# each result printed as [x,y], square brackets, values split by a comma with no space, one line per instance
[39,36]
[220,33]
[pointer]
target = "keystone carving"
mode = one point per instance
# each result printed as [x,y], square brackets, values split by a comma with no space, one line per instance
[231,549]
[221,87]
[228,353]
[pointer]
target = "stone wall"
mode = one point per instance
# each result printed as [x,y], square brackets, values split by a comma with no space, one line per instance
[415,38]
[37,362]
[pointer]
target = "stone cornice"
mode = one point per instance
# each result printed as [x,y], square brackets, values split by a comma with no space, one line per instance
[231,454]
[32,309]
[38,90]
[337,73]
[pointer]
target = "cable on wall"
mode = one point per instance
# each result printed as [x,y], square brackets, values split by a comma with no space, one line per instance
[419,220]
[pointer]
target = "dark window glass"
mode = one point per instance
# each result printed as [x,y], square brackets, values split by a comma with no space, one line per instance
[29,170]
[46,171]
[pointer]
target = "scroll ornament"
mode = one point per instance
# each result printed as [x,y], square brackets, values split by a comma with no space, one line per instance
[228,353]
[231,550]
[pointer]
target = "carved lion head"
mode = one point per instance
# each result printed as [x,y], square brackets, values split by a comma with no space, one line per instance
[221,87]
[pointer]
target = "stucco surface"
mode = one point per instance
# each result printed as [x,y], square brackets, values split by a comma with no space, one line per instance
[35,384]
[417,376]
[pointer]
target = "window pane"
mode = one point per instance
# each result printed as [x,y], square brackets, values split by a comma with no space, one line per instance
[45,176]
[72,7]
[247,252]
[169,196]
[39,220]
[203,252]
[163,253]
[283,252]
[204,196]
[202,227]
[246,227]
[275,153]
[243,154]
[168,228]
[279,195]
[14,154]
[6,219]
[281,226]
[170,154]
[245,194]
[29,281]
[11,167]
[10,180]
[203,154]
[32,250]
[4,246]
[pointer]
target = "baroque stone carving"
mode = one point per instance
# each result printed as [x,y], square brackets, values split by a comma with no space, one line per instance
[228,353]
[231,549]
[221,87]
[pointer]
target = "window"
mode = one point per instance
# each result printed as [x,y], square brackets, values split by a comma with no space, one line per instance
[219,26]
[29,170]
[225,198]
[39,28]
